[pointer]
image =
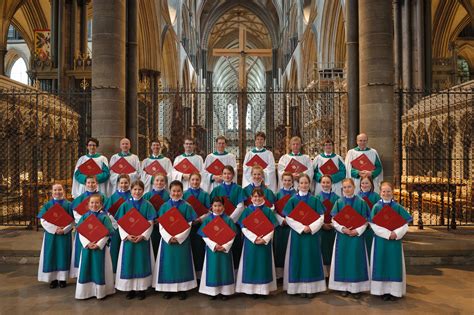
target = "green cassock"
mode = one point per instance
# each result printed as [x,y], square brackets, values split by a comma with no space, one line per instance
[115,240]
[57,248]
[219,265]
[387,262]
[197,244]
[305,260]
[327,236]
[176,260]
[373,198]
[257,260]
[92,268]
[282,232]
[350,252]
[155,234]
[136,260]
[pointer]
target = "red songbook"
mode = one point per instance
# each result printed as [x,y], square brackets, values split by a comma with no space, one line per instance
[113,209]
[58,216]
[218,231]
[186,167]
[157,201]
[83,207]
[304,214]
[258,223]
[198,207]
[216,167]
[155,168]
[389,219]
[228,206]
[133,222]
[280,204]
[90,168]
[329,168]
[327,212]
[295,167]
[173,222]
[370,204]
[248,201]
[349,218]
[362,163]
[92,229]
[122,167]
[256,160]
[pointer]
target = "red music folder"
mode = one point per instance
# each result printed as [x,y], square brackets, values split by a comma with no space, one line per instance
[92,229]
[90,168]
[133,222]
[155,168]
[349,218]
[370,204]
[362,163]
[58,216]
[389,219]
[280,204]
[113,209]
[327,212]
[198,207]
[218,231]
[248,202]
[257,160]
[216,167]
[83,207]
[295,167]
[329,168]
[304,214]
[258,223]
[186,167]
[157,201]
[122,167]
[228,206]
[173,222]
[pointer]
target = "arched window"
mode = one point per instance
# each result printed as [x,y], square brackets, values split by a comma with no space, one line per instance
[18,71]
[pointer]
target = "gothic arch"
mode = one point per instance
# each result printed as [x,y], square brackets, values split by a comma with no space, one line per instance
[169,59]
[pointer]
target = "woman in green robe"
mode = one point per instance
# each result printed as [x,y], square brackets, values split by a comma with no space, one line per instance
[368,194]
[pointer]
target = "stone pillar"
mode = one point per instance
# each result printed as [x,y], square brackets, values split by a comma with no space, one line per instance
[407,46]
[397,32]
[420,45]
[428,49]
[83,28]
[108,74]
[352,35]
[132,71]
[60,45]
[3,52]
[376,79]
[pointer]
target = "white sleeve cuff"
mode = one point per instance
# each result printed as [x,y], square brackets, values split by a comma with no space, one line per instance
[48,227]
[123,234]
[249,235]
[84,240]
[147,233]
[295,225]
[102,242]
[316,225]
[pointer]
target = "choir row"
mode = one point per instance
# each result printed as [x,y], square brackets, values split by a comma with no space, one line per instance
[303,253]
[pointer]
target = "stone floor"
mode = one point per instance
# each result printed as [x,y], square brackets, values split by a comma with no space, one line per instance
[435,290]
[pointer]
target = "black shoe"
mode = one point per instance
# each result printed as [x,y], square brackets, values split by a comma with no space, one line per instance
[212,298]
[141,295]
[53,284]
[303,295]
[344,294]
[386,297]
[183,296]
[310,296]
[62,284]
[263,297]
[356,296]
[224,297]
[255,296]
[130,295]
[392,298]
[167,295]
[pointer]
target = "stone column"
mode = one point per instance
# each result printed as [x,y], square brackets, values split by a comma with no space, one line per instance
[420,45]
[132,71]
[3,52]
[352,35]
[376,79]
[407,46]
[108,74]
[83,28]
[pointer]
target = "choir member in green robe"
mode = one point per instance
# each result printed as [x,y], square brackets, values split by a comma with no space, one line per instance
[256,273]
[91,189]
[282,231]
[349,266]
[328,234]
[123,192]
[197,243]
[228,188]
[174,268]
[135,261]
[159,188]
[96,277]
[218,277]
[368,194]
[388,276]
[56,249]
[304,272]
[258,181]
